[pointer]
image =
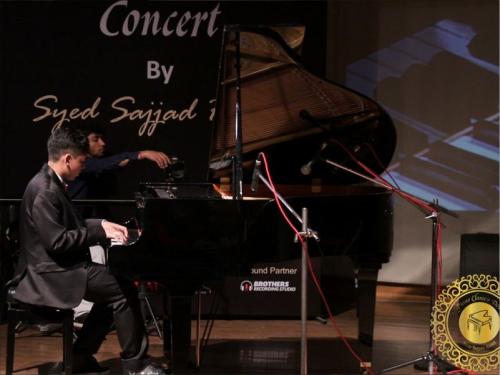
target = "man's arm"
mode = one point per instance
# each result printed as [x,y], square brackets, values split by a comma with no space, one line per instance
[48,214]
[161,159]
[113,231]
[95,165]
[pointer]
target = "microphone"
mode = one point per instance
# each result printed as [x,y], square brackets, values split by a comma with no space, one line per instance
[307,168]
[255,176]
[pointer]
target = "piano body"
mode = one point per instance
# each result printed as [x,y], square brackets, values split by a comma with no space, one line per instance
[192,239]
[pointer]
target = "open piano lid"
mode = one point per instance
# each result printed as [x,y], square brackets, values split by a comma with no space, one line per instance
[291,114]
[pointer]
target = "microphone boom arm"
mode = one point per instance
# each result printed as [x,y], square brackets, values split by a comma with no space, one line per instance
[308,232]
[435,206]
[328,161]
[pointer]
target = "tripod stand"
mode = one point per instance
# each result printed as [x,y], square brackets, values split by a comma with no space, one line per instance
[430,358]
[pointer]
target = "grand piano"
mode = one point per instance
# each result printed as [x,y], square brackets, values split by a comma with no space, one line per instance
[191,236]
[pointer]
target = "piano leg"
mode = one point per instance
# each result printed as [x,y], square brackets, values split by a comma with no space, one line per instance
[177,333]
[367,288]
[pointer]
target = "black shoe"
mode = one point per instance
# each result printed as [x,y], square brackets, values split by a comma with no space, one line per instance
[149,370]
[88,366]
[145,366]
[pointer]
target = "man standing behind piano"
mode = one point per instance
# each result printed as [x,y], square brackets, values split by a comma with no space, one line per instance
[89,184]
[55,267]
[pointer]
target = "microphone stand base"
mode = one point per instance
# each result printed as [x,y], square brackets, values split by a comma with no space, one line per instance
[423,365]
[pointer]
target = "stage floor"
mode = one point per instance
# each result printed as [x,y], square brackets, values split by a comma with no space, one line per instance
[271,346]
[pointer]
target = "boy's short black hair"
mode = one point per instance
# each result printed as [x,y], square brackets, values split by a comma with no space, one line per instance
[67,139]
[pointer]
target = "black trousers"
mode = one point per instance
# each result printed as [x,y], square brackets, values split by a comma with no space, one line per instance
[115,300]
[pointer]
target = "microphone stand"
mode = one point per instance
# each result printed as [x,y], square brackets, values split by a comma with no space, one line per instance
[237,163]
[430,358]
[306,233]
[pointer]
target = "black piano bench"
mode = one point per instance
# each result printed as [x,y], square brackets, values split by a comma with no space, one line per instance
[20,312]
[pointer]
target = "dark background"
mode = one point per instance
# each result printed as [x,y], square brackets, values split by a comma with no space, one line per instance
[450,95]
[56,48]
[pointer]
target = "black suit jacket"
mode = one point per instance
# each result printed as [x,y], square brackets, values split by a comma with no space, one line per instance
[54,243]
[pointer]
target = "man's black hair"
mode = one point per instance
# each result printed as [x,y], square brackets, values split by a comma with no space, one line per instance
[67,139]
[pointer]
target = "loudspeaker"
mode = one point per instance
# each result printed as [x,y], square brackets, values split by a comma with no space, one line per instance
[479,254]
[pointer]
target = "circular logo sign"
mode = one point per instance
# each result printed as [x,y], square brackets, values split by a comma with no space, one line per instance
[466,322]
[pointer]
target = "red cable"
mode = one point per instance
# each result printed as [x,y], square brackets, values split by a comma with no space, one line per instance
[375,155]
[311,270]
[273,190]
[461,371]
[430,211]
[416,201]
[219,190]
[428,208]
